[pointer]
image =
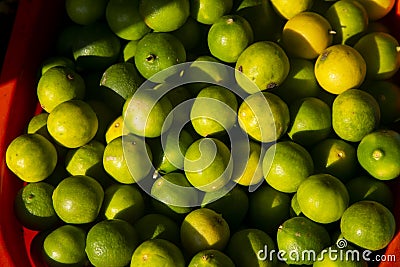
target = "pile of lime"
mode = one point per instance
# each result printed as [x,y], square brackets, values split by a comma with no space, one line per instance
[213,133]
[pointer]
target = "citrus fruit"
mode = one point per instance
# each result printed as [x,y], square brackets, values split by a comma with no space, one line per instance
[157,252]
[85,12]
[146,115]
[264,116]
[208,11]
[251,173]
[189,34]
[377,9]
[174,191]
[66,38]
[65,246]
[31,157]
[323,198]
[72,123]
[124,19]
[381,54]
[232,205]
[306,35]
[38,124]
[95,47]
[211,258]
[164,15]
[157,51]
[33,206]
[295,209]
[330,73]
[129,51]
[299,83]
[287,10]
[78,199]
[342,257]
[310,121]
[220,114]
[298,235]
[368,188]
[204,229]
[116,129]
[266,74]
[105,115]
[57,61]
[127,159]
[228,37]
[286,165]
[246,246]
[387,94]
[379,153]
[157,226]
[368,224]
[122,201]
[207,164]
[119,82]
[348,19]
[355,113]
[336,157]
[111,243]
[167,156]
[57,85]
[268,208]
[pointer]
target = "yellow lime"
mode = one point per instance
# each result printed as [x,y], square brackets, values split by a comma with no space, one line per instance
[288,9]
[377,9]
[57,61]
[211,258]
[116,129]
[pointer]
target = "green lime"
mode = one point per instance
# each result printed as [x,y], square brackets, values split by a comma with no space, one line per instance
[204,229]
[105,115]
[310,121]
[57,85]
[268,208]
[306,35]
[164,15]
[331,75]
[207,164]
[157,252]
[31,157]
[123,201]
[157,226]
[146,115]
[288,10]
[189,34]
[127,159]
[129,51]
[381,54]
[295,209]
[323,198]
[38,124]
[175,191]
[348,19]
[124,19]
[379,152]
[355,113]
[228,37]
[232,205]
[72,123]
[78,199]
[387,94]
[220,114]
[111,243]
[66,38]
[368,224]
[33,206]
[340,257]
[264,116]
[211,258]
[286,165]
[368,188]
[298,236]
[57,61]
[116,129]
[157,51]
[265,74]
[336,157]
[247,247]
[95,47]
[299,83]
[208,12]
[65,246]
[85,12]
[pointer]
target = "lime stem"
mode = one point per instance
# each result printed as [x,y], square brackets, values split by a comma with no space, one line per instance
[377,154]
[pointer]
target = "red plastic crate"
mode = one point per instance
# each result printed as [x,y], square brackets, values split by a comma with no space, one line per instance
[31,41]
